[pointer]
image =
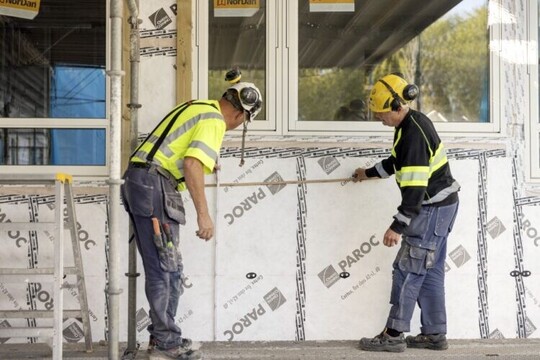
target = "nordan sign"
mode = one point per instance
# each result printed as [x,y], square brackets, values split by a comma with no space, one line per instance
[235,8]
[26,9]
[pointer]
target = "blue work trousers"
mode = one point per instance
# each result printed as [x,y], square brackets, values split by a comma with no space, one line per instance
[419,269]
[147,194]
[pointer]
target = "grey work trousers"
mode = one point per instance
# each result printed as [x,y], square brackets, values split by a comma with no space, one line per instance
[419,270]
[147,194]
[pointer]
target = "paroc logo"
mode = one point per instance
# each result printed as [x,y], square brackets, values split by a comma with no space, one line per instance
[328,164]
[496,334]
[142,318]
[275,177]
[246,205]
[459,256]
[73,333]
[160,19]
[329,276]
[529,327]
[495,227]
[4,324]
[530,231]
[274,299]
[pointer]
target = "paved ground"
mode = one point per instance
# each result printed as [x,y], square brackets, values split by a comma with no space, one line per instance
[317,350]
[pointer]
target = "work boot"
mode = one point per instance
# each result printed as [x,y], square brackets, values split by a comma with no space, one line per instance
[177,353]
[433,342]
[153,343]
[384,342]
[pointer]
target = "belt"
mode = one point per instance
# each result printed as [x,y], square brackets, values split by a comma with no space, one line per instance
[151,167]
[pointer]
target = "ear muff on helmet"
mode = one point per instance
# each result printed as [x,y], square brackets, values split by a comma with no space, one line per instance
[249,96]
[410,92]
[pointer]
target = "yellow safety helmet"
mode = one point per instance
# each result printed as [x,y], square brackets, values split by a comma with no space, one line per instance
[390,92]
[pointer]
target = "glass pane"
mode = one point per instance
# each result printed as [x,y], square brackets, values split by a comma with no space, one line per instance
[237,38]
[442,46]
[52,147]
[53,66]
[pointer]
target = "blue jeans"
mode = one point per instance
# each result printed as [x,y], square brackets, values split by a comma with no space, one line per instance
[418,275]
[147,194]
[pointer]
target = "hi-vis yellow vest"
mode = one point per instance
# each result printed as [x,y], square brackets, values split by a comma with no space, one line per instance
[195,129]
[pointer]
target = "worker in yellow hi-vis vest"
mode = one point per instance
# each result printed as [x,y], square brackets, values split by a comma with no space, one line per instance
[176,155]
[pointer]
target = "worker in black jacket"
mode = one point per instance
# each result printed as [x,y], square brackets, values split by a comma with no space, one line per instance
[429,203]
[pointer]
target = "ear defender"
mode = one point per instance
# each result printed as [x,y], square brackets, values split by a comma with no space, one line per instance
[249,96]
[410,92]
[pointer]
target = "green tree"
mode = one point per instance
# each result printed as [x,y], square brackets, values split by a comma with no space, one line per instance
[452,57]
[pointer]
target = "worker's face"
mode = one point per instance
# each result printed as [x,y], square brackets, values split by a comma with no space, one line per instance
[239,118]
[389,118]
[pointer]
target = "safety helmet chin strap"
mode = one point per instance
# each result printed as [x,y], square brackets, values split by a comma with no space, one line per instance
[244,132]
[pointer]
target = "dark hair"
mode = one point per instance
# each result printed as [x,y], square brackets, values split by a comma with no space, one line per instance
[232,96]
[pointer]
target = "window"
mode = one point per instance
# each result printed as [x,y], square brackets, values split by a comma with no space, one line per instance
[320,59]
[239,36]
[53,107]
[533,125]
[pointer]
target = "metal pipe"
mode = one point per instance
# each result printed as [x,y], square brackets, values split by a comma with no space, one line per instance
[113,290]
[215,256]
[134,56]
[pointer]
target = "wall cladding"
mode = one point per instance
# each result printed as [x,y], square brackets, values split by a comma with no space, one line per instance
[306,261]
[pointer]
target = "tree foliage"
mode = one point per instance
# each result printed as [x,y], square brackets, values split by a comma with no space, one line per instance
[449,61]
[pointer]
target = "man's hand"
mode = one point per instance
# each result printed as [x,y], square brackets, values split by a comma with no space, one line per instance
[391,238]
[206,227]
[359,175]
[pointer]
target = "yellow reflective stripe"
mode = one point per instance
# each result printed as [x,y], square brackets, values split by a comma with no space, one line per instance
[438,160]
[207,161]
[413,176]
[398,137]
[176,135]
[185,132]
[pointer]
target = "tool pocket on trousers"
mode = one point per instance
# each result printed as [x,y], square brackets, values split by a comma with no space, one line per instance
[446,215]
[412,259]
[415,233]
[168,254]
[138,197]
[174,205]
[418,225]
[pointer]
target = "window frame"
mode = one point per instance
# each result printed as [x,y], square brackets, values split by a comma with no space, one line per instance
[201,63]
[532,124]
[282,90]
[79,172]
